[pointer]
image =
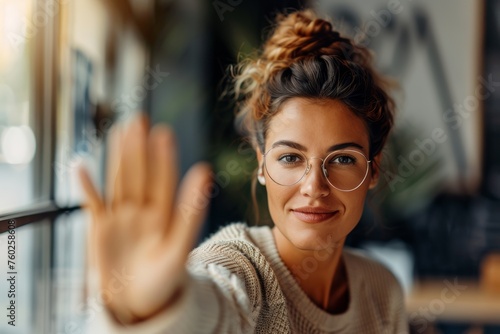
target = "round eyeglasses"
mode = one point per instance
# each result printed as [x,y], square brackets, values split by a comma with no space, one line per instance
[345,170]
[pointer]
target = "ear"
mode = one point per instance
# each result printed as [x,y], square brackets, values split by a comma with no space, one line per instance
[260,157]
[375,171]
[260,173]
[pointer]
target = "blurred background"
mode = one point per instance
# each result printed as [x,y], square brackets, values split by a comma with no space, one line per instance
[70,69]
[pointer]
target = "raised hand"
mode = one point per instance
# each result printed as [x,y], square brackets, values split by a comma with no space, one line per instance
[141,230]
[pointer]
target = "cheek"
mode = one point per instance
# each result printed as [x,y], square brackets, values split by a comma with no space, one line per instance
[277,198]
[354,203]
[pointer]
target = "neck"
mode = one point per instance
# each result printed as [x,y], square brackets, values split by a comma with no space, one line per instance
[320,273]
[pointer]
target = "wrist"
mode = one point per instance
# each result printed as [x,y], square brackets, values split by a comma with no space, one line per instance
[126,317]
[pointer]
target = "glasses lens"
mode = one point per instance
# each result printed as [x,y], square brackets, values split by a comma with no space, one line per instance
[285,165]
[346,169]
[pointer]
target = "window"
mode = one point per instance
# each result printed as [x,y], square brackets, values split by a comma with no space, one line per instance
[17,139]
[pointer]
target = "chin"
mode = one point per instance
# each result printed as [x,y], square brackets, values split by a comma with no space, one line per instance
[309,239]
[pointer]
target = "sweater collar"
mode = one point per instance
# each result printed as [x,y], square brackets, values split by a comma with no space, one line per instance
[296,297]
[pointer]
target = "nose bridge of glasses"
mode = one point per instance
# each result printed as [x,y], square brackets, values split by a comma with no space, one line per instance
[322,165]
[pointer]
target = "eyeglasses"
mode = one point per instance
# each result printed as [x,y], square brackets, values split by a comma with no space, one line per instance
[345,169]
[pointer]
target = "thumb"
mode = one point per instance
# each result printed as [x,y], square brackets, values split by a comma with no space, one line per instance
[93,200]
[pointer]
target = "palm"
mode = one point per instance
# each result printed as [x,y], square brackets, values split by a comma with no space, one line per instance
[141,235]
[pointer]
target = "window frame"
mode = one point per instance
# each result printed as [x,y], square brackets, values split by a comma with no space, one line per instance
[44,57]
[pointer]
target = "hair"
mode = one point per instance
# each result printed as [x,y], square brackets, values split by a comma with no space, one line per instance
[305,57]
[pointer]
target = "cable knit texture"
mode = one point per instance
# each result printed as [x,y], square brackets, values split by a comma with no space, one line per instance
[237,283]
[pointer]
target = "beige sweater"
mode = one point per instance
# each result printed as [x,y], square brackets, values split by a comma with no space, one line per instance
[237,283]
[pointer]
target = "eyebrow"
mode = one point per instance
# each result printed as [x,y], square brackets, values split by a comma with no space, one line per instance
[300,147]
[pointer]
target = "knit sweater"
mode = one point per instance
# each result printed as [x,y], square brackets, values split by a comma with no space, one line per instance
[237,283]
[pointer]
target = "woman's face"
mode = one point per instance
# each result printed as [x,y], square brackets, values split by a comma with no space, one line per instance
[311,213]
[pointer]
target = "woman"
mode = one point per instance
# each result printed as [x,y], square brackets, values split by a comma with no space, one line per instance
[317,116]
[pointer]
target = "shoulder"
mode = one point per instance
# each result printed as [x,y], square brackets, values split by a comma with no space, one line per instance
[233,248]
[377,289]
[375,276]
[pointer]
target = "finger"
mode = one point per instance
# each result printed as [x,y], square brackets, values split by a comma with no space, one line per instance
[96,207]
[194,199]
[163,173]
[133,177]
[93,200]
[91,243]
[113,178]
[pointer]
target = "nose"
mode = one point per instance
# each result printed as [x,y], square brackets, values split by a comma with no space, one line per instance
[314,183]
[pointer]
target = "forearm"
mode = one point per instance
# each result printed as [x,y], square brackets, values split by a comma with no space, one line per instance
[203,306]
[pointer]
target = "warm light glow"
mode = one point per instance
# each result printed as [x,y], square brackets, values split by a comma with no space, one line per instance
[18,144]
[14,16]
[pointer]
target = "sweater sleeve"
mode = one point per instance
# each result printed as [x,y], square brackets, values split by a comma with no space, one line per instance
[220,296]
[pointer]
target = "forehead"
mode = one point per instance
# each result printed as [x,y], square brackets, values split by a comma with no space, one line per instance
[317,124]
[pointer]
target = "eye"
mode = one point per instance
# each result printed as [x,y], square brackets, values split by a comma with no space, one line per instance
[343,160]
[290,158]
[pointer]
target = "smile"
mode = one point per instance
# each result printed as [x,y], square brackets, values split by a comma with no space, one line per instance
[312,215]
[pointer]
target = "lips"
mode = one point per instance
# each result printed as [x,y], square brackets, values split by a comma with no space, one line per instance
[313,215]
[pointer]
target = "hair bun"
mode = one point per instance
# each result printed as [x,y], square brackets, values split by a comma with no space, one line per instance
[302,34]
